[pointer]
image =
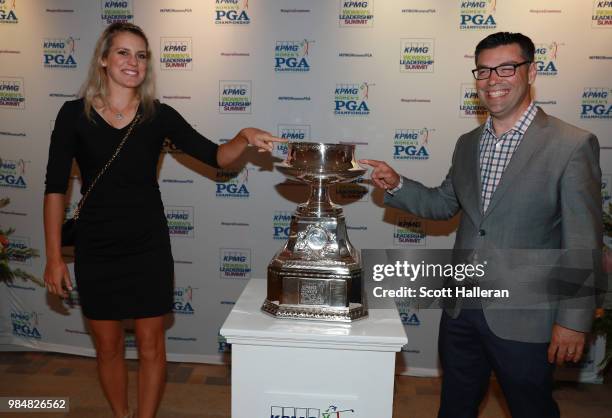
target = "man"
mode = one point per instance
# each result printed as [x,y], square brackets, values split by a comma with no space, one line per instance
[523,180]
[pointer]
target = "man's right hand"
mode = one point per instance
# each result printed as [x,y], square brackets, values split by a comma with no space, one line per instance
[383,176]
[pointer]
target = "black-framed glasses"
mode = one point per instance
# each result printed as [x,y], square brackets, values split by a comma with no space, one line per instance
[504,70]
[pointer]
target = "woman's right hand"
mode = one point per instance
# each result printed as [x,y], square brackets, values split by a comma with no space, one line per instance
[57,278]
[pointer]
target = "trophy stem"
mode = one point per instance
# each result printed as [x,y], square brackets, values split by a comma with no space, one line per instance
[319,202]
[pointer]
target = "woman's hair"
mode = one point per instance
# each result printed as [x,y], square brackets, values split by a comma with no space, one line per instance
[95,87]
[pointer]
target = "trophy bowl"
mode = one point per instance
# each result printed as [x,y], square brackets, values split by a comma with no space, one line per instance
[320,162]
[317,274]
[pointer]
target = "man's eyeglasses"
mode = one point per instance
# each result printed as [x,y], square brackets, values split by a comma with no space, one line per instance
[504,70]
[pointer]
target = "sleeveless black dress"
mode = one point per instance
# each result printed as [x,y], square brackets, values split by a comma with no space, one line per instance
[123,263]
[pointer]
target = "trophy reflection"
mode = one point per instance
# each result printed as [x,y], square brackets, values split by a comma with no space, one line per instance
[317,274]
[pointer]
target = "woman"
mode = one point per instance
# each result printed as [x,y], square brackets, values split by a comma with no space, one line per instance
[123,263]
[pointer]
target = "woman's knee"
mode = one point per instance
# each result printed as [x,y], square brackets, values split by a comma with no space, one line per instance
[108,349]
[151,345]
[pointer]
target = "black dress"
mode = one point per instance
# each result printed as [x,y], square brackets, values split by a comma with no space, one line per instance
[123,263]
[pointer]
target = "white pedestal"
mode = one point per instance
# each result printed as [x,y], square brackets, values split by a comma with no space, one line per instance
[304,369]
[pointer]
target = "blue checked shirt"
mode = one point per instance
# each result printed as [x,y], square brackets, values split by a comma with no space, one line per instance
[495,153]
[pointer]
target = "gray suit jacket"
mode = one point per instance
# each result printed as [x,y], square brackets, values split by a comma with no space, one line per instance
[549,197]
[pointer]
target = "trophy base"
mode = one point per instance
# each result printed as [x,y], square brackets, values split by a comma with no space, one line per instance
[351,313]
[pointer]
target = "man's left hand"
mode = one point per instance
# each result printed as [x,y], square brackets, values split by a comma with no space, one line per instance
[565,345]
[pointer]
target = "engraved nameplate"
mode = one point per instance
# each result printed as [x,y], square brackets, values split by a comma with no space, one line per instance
[314,292]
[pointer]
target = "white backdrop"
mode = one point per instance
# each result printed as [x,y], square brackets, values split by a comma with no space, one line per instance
[392,76]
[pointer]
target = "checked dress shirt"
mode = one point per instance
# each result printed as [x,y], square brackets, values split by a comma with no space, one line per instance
[495,153]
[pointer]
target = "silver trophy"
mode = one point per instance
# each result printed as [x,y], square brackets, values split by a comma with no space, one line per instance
[317,274]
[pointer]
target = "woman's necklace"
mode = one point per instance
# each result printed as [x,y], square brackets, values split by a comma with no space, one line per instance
[118,114]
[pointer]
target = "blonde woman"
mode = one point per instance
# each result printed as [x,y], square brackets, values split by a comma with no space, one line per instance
[123,263]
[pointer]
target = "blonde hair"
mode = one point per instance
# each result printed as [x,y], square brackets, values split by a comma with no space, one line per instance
[95,87]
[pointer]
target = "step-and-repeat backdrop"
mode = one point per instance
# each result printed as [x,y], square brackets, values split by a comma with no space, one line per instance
[392,77]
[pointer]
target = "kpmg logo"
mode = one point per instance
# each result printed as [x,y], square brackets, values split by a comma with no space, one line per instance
[180,221]
[232,184]
[116,11]
[13,174]
[292,133]
[411,144]
[59,53]
[12,94]
[281,222]
[183,301]
[25,324]
[232,12]
[477,14]
[16,250]
[602,14]
[352,99]
[175,54]
[235,263]
[409,231]
[546,59]
[235,96]
[417,55]
[7,11]
[292,56]
[596,103]
[470,106]
[331,411]
[356,13]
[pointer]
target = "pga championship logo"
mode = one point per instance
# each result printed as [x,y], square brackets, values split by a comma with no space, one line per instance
[409,231]
[292,56]
[8,12]
[407,316]
[175,54]
[281,223]
[352,99]
[411,144]
[232,184]
[183,301]
[235,96]
[476,15]
[232,12]
[116,11]
[546,59]
[358,13]
[59,53]
[13,174]
[12,94]
[470,106]
[602,14]
[180,221]
[235,263]
[596,103]
[417,55]
[26,324]
[292,133]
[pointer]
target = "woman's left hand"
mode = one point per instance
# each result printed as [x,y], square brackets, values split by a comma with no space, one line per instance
[263,140]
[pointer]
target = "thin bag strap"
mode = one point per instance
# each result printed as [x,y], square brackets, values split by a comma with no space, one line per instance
[77,211]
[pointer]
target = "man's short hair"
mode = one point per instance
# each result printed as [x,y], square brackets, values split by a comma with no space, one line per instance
[506,38]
